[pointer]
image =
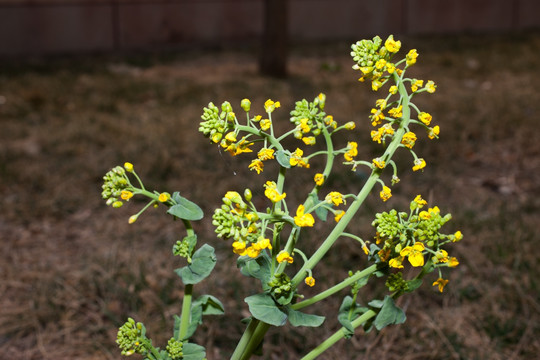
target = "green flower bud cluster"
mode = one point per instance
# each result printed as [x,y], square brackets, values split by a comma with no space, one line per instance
[114,182]
[131,338]
[395,282]
[232,220]
[281,289]
[388,224]
[373,60]
[174,349]
[184,248]
[310,114]
[366,53]
[427,230]
[215,123]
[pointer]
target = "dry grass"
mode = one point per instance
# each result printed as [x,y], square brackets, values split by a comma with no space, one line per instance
[73,270]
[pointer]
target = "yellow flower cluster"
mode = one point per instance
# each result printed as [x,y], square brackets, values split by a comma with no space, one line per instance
[253,250]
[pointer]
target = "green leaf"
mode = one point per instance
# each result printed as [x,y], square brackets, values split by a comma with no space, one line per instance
[283,159]
[413,284]
[297,318]
[321,211]
[389,314]
[264,308]
[202,264]
[193,352]
[185,209]
[210,305]
[348,312]
[259,268]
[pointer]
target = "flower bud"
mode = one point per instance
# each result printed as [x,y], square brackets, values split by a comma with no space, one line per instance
[248,195]
[246,105]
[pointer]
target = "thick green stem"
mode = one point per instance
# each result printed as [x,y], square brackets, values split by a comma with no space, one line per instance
[338,335]
[250,340]
[185,318]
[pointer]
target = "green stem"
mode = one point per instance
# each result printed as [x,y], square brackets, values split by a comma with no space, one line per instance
[185,317]
[336,288]
[338,335]
[250,340]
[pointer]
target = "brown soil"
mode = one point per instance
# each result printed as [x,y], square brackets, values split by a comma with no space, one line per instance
[73,270]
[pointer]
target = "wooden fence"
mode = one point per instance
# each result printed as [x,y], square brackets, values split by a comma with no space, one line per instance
[42,27]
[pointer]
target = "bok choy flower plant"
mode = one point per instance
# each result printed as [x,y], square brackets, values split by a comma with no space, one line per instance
[266,238]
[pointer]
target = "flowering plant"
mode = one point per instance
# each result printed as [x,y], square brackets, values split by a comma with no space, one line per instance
[267,240]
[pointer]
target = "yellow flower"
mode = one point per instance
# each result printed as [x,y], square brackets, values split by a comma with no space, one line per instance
[425,118]
[365,248]
[393,90]
[377,116]
[128,166]
[419,201]
[396,262]
[386,193]
[253,251]
[349,125]
[390,68]
[409,139]
[352,150]
[304,126]
[310,281]
[297,159]
[284,256]
[416,84]
[239,248]
[256,165]
[164,197]
[457,236]
[411,57]
[264,244]
[309,140]
[335,198]
[391,45]
[376,85]
[453,261]
[126,195]
[302,219]
[265,124]
[319,179]
[419,164]
[270,105]
[380,64]
[231,137]
[272,193]
[265,154]
[396,112]
[132,219]
[441,256]
[434,132]
[339,215]
[430,87]
[414,253]
[441,283]
[379,163]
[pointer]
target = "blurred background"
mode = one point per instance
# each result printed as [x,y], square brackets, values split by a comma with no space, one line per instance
[87,85]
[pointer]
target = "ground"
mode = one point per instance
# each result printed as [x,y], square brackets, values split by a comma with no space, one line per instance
[73,269]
